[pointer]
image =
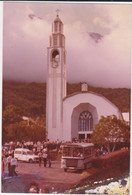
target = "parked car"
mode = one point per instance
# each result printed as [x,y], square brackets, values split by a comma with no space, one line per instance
[24,154]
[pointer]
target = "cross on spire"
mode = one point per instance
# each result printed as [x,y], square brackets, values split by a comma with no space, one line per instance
[57,11]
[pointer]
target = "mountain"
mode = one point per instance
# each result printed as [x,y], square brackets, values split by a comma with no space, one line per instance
[31,97]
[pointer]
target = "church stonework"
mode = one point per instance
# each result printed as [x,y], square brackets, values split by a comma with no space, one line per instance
[72,116]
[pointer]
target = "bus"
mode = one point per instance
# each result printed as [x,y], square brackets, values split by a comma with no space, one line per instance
[77,156]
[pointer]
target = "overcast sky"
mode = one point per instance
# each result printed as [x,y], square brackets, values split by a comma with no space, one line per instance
[98,41]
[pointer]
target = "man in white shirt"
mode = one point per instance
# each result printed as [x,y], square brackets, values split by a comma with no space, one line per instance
[13,166]
[8,161]
[45,159]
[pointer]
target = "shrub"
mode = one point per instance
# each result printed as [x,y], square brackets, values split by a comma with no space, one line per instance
[120,159]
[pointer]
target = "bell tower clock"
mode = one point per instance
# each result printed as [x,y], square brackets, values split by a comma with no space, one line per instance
[56,80]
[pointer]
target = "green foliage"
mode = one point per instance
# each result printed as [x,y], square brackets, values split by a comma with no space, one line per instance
[119,158]
[11,115]
[15,128]
[72,88]
[109,130]
[29,99]
[17,131]
[26,131]
[118,96]
[38,129]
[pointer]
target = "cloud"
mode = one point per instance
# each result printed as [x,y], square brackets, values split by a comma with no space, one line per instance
[33,16]
[95,36]
[27,27]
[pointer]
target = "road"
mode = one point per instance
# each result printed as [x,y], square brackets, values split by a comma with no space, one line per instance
[54,178]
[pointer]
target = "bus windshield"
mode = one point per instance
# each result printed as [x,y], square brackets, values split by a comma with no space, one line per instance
[67,151]
[72,151]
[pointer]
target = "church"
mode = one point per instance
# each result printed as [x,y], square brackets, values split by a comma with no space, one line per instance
[72,116]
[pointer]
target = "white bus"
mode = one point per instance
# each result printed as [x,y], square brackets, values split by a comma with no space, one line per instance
[77,156]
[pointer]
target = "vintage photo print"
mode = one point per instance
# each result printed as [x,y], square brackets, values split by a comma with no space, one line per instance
[66,88]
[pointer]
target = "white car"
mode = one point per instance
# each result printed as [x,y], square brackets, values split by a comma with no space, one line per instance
[24,154]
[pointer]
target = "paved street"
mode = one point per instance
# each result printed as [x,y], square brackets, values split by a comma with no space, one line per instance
[54,178]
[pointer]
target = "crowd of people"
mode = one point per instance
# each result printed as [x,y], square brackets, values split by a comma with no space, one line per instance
[42,149]
[34,146]
[38,146]
[11,162]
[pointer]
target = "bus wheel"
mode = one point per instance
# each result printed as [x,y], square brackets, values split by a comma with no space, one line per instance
[65,170]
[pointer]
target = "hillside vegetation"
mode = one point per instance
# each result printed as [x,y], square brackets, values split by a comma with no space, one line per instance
[31,97]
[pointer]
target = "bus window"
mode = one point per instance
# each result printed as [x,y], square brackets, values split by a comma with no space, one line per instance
[67,151]
[77,152]
[87,151]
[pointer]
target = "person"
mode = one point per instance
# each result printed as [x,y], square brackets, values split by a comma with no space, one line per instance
[40,158]
[45,158]
[3,166]
[49,159]
[8,161]
[44,190]
[32,188]
[13,166]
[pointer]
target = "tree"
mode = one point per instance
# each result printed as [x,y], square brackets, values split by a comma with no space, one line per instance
[17,131]
[38,129]
[10,116]
[109,131]
[24,130]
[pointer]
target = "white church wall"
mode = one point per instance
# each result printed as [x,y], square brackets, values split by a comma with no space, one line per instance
[67,111]
[74,124]
[74,105]
[54,121]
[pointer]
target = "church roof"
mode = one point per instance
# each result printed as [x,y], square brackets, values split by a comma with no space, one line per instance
[91,97]
[84,92]
[89,92]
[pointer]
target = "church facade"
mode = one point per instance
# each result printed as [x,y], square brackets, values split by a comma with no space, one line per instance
[72,116]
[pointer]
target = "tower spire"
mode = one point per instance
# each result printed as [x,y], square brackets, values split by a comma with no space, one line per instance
[57,12]
[56,80]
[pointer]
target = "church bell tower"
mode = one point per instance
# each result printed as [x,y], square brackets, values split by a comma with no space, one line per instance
[56,81]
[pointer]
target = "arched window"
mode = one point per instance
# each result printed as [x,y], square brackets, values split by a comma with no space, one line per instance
[55,55]
[85,121]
